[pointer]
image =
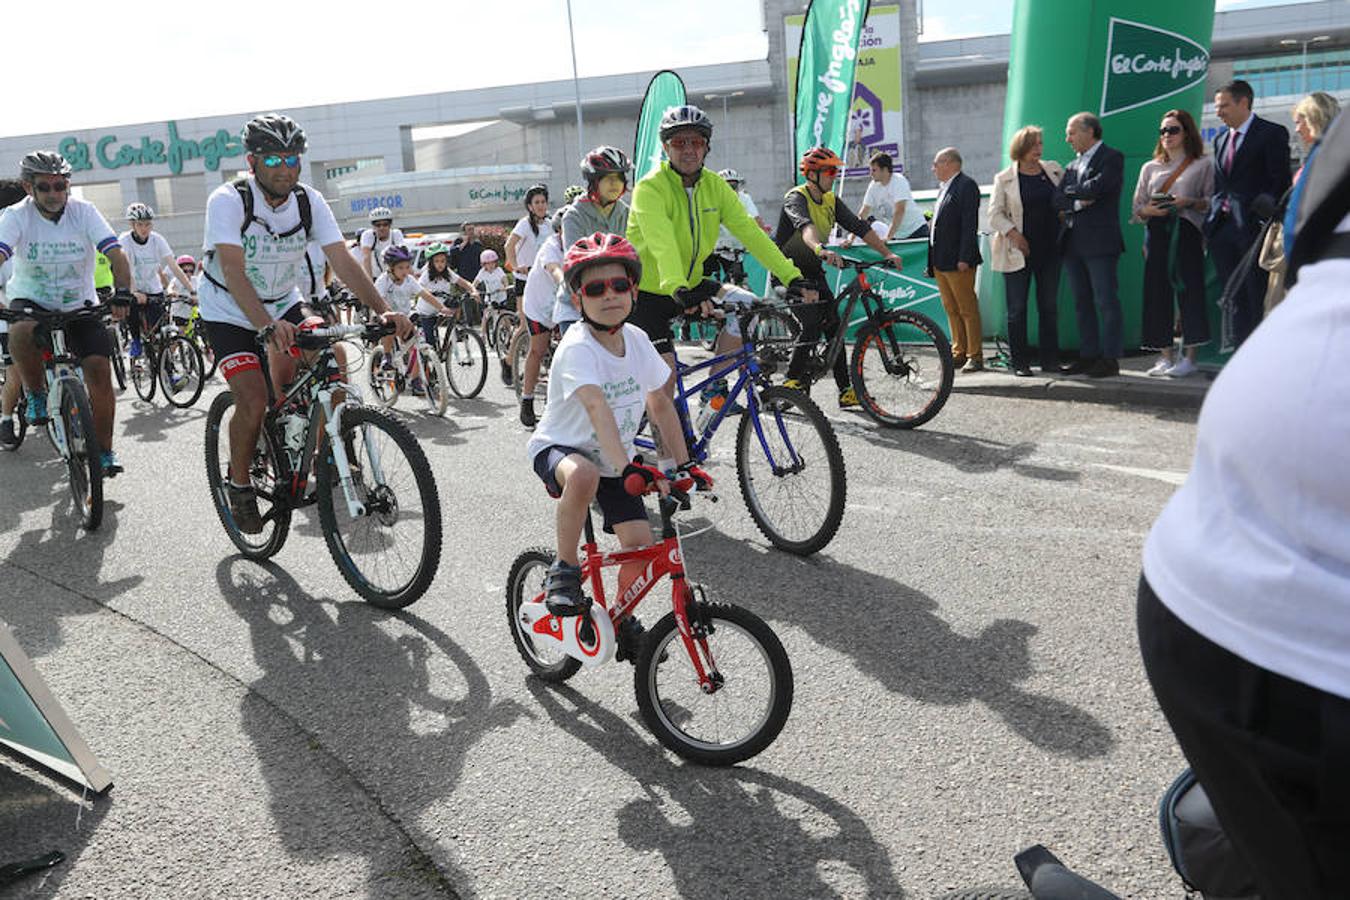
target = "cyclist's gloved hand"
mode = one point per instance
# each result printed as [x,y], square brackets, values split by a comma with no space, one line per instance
[690,477]
[803,290]
[122,297]
[639,477]
[691,297]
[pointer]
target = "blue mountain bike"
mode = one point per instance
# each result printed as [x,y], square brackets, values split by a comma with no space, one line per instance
[788,461]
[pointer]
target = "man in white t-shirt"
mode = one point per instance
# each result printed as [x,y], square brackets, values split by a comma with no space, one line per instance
[379,237]
[53,240]
[890,202]
[257,231]
[149,254]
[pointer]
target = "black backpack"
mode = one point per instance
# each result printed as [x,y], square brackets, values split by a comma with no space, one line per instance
[306,223]
[1200,851]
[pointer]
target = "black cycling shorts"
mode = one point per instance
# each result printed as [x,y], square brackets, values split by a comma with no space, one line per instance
[534,327]
[84,337]
[237,348]
[654,313]
[617,505]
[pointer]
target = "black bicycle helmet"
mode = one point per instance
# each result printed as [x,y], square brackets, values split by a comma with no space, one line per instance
[678,117]
[534,190]
[604,161]
[43,162]
[273,133]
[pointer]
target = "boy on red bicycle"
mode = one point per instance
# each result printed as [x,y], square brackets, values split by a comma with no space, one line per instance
[603,375]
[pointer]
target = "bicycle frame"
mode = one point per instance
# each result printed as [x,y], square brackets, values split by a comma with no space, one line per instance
[58,365]
[663,558]
[859,290]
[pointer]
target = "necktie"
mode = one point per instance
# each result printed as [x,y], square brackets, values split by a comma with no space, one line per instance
[1231,150]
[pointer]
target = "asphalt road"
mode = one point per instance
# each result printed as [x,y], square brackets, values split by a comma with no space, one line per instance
[967,682]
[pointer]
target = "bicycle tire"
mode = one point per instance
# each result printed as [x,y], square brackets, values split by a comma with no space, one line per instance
[660,711]
[383,382]
[383,507]
[20,419]
[435,380]
[180,357]
[775,334]
[779,408]
[520,585]
[117,359]
[504,329]
[520,349]
[466,361]
[144,376]
[267,473]
[924,369]
[209,361]
[83,455]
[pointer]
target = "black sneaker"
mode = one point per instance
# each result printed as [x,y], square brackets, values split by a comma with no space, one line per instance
[9,438]
[630,640]
[562,588]
[244,509]
[527,416]
[507,378]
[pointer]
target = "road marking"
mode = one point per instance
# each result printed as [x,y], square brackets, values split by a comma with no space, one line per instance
[1172,478]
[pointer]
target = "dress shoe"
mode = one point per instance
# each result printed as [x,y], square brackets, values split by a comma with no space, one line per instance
[1079,367]
[1104,368]
[958,360]
[974,364]
[1022,371]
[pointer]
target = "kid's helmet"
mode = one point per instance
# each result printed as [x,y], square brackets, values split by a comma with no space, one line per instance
[573,192]
[533,191]
[604,161]
[818,158]
[678,117]
[396,254]
[486,257]
[139,212]
[436,249]
[273,133]
[381,214]
[43,162]
[731,176]
[600,248]
[186,260]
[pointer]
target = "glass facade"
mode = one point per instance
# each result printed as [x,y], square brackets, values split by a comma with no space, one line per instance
[1279,76]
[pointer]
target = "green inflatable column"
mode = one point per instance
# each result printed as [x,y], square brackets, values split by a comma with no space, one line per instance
[1128,62]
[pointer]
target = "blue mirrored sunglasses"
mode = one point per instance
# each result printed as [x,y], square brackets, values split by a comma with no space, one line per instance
[273,161]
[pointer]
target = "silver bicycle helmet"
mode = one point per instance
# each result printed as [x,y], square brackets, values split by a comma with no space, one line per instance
[43,162]
[381,214]
[687,116]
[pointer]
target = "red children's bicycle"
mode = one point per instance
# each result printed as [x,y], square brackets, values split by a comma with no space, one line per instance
[713,681]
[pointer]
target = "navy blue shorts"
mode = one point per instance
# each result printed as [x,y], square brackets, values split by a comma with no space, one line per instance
[617,505]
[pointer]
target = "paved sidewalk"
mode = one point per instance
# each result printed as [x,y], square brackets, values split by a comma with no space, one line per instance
[1132,387]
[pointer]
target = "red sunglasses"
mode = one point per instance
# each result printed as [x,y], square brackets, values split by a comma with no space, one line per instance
[619,284]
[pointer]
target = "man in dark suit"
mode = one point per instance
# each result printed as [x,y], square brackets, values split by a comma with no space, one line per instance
[954,254]
[1251,158]
[1092,244]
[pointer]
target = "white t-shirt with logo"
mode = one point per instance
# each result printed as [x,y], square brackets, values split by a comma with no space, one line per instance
[1253,551]
[529,243]
[440,285]
[880,200]
[398,294]
[377,248]
[275,265]
[147,260]
[725,239]
[492,285]
[54,261]
[625,380]
[540,288]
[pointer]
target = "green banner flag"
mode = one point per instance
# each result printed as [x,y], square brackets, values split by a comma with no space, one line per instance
[825,68]
[663,91]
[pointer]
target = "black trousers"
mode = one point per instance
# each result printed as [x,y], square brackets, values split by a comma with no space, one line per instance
[818,320]
[1273,754]
[1017,288]
[1159,293]
[1227,245]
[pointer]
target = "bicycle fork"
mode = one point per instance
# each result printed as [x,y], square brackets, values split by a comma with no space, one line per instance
[356,507]
[692,621]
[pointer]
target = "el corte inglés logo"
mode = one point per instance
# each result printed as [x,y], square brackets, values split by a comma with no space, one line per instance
[1144,64]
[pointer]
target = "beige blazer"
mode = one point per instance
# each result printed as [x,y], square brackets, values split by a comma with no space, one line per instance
[1005,214]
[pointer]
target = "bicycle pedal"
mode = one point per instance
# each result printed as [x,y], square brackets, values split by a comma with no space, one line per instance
[564,610]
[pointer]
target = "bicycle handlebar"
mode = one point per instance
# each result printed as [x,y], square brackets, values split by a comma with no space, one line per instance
[318,338]
[37,313]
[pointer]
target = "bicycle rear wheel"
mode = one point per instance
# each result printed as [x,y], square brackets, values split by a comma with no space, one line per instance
[524,583]
[117,358]
[791,471]
[181,378]
[465,356]
[389,551]
[902,369]
[82,453]
[382,378]
[268,473]
[435,380]
[144,376]
[748,709]
[208,352]
[506,326]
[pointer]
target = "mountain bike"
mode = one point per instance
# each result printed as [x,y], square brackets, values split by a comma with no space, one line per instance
[901,368]
[196,333]
[462,351]
[378,505]
[713,682]
[390,374]
[788,461]
[70,416]
[520,349]
[499,323]
[169,361]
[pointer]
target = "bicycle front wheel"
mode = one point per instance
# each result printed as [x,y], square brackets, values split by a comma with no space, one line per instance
[117,358]
[388,549]
[465,361]
[267,473]
[383,379]
[181,378]
[83,454]
[753,696]
[506,326]
[902,369]
[791,471]
[143,375]
[524,583]
[435,380]
[208,352]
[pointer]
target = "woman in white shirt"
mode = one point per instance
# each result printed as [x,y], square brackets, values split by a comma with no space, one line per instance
[521,247]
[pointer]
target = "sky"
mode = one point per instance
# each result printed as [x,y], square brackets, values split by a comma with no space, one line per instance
[171,59]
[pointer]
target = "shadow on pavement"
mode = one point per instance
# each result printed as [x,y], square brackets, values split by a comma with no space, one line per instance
[894,635]
[962,452]
[733,832]
[389,697]
[150,422]
[36,817]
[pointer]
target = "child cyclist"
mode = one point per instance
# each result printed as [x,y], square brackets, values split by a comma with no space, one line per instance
[399,289]
[438,276]
[604,374]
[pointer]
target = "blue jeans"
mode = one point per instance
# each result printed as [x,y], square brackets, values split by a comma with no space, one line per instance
[1097,303]
[1017,288]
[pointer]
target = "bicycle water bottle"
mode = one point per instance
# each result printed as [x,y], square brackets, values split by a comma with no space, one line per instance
[707,410]
[293,427]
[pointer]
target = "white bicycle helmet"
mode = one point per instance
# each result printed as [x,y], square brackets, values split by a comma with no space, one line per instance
[139,212]
[381,214]
[731,176]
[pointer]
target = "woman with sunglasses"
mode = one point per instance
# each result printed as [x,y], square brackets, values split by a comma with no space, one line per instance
[1171,199]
